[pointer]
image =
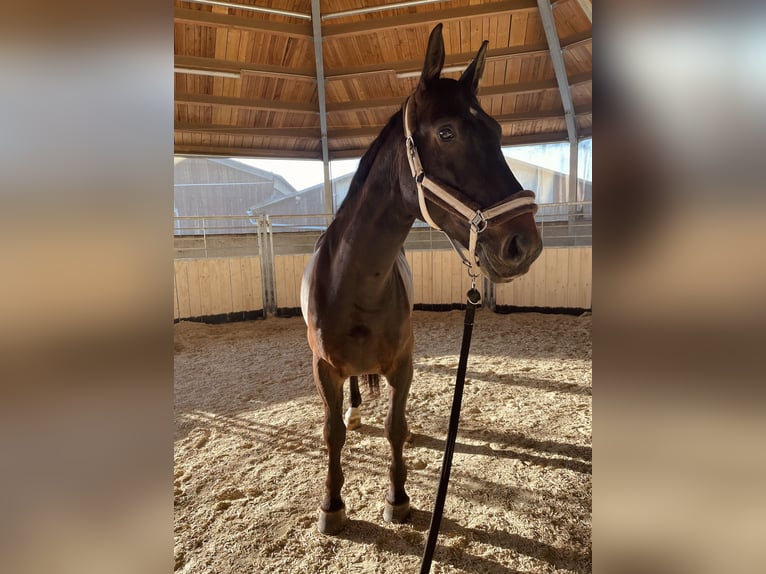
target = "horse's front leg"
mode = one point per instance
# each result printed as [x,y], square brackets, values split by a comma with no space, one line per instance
[397,507]
[332,512]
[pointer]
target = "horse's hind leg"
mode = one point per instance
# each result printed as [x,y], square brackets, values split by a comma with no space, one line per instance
[353,416]
[332,512]
[397,507]
[373,384]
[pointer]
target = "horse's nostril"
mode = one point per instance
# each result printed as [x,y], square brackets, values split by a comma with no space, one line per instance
[515,247]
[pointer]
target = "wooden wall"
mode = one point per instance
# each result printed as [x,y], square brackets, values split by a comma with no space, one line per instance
[216,286]
[288,272]
[560,278]
[439,277]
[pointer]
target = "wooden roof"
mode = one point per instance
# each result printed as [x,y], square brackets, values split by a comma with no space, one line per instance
[273,108]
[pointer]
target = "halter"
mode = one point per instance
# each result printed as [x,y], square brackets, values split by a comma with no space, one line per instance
[451,198]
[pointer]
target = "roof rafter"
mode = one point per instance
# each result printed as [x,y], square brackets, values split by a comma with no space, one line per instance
[499,90]
[455,59]
[587,7]
[371,131]
[372,25]
[206,18]
[199,63]
[273,105]
[207,150]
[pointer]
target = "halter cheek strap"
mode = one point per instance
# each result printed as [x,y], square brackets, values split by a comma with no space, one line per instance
[449,197]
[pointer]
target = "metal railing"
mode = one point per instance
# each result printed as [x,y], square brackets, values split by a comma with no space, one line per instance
[560,225]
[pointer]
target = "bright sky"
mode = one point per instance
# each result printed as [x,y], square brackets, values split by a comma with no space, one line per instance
[303,173]
[555,156]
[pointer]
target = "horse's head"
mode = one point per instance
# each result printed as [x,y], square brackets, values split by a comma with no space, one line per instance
[461,170]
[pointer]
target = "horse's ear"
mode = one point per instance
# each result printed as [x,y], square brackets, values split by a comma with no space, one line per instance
[432,66]
[473,72]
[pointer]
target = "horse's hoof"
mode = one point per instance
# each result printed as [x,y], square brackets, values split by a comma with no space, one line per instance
[396,513]
[353,418]
[331,522]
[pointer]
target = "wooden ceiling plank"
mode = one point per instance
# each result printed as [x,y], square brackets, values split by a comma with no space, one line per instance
[453,60]
[506,118]
[303,133]
[292,107]
[355,105]
[530,139]
[427,17]
[344,133]
[237,66]
[205,18]
[503,89]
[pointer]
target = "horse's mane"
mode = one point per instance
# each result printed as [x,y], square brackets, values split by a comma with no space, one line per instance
[365,164]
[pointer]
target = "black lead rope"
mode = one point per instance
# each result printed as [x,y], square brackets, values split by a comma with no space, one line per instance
[474,300]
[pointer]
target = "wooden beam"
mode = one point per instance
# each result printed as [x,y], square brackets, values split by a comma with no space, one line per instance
[532,139]
[333,107]
[199,63]
[375,24]
[297,133]
[453,60]
[499,90]
[217,65]
[351,153]
[217,20]
[506,89]
[278,106]
[348,133]
[587,7]
[532,116]
[356,105]
[373,131]
[459,59]
[246,152]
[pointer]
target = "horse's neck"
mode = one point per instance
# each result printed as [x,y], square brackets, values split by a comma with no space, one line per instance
[374,224]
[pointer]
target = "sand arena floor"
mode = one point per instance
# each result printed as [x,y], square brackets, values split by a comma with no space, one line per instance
[250,461]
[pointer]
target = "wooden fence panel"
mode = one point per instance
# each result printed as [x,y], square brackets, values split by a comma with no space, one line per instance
[561,277]
[216,286]
[288,271]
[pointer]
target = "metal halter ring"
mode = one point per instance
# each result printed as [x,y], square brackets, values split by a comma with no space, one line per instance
[478,223]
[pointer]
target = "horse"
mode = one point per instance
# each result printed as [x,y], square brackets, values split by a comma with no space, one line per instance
[437,159]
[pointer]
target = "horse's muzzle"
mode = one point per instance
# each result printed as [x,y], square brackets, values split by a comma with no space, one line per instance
[505,257]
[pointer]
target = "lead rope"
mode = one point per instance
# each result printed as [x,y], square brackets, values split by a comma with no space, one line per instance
[472,302]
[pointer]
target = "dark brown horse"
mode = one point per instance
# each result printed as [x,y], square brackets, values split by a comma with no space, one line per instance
[437,159]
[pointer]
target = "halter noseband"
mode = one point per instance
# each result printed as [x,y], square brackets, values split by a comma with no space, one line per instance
[478,219]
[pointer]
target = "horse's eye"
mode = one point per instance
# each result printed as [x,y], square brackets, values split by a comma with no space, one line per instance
[446,133]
